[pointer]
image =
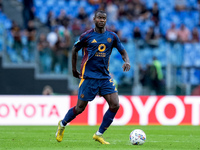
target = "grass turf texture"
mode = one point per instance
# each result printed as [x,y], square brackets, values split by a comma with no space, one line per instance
[80,138]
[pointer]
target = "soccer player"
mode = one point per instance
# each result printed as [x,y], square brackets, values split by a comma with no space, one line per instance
[96,45]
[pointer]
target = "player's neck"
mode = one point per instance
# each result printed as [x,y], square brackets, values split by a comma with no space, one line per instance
[99,30]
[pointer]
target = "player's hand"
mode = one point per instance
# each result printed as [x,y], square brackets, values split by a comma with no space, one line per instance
[126,66]
[76,73]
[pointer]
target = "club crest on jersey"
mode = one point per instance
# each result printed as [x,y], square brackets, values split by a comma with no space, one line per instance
[109,40]
[102,47]
[94,41]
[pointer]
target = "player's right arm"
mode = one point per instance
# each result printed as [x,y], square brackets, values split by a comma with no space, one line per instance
[77,46]
[75,72]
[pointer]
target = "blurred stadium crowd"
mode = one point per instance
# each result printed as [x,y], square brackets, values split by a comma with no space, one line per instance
[167,31]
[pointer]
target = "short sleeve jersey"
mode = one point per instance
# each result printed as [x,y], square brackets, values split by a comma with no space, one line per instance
[96,50]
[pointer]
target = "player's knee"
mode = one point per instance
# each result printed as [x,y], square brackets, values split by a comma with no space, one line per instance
[114,108]
[79,109]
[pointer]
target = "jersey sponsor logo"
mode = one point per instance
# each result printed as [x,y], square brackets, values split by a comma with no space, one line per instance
[94,41]
[99,54]
[102,47]
[109,40]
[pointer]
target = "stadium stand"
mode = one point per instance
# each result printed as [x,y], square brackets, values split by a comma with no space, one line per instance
[152,18]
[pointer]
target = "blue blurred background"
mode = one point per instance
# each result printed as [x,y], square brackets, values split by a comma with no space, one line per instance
[36,38]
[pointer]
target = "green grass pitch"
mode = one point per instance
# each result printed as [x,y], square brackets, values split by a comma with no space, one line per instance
[80,138]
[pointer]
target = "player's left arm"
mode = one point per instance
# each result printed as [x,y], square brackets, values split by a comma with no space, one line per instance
[126,66]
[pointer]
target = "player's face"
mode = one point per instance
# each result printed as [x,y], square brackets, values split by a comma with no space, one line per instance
[100,20]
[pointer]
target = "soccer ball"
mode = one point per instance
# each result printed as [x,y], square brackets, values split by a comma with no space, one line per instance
[137,137]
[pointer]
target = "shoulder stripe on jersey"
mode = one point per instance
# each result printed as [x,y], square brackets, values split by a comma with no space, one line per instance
[84,62]
[113,35]
[87,32]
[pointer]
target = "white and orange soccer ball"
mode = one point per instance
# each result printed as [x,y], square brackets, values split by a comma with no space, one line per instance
[137,137]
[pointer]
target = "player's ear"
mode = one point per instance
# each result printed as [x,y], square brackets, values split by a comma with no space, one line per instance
[94,20]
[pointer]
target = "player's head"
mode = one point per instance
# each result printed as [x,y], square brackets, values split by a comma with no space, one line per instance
[100,18]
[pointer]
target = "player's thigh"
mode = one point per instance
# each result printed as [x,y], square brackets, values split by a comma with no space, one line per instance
[80,106]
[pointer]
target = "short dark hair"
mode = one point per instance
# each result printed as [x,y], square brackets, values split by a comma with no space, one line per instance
[99,11]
